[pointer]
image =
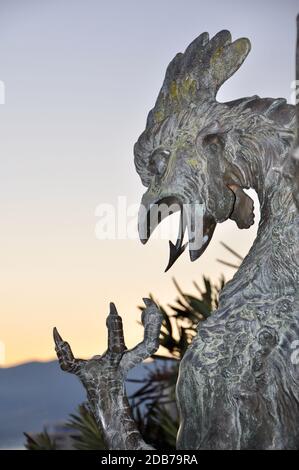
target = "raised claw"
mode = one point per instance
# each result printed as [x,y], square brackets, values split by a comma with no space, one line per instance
[116,341]
[150,311]
[66,358]
[151,319]
[57,338]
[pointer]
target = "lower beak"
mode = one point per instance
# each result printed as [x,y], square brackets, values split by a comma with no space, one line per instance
[208,227]
[200,225]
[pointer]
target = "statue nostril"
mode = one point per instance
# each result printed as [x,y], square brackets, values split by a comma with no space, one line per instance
[159,161]
[161,166]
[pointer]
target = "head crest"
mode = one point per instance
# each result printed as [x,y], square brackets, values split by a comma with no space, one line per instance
[197,74]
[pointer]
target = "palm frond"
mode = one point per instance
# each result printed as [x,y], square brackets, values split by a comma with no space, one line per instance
[41,441]
[87,435]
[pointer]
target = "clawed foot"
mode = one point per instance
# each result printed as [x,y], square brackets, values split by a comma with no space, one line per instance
[103,376]
[117,360]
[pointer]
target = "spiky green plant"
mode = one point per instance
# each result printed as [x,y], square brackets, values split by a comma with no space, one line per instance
[87,435]
[41,441]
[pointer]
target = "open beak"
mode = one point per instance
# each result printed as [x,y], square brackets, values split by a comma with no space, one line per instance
[193,218]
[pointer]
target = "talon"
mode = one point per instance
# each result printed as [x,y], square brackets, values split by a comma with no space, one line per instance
[113,310]
[148,302]
[151,309]
[116,342]
[57,338]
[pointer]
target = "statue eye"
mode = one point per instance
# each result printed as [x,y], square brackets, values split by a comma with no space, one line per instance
[213,142]
[159,161]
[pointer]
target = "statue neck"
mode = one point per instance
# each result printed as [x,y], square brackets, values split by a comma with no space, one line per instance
[269,271]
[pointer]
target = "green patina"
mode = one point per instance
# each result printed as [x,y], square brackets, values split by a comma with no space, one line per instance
[180,93]
[192,162]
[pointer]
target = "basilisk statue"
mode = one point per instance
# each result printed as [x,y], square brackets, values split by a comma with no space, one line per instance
[238,387]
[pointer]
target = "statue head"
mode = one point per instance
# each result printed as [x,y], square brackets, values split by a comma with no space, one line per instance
[193,155]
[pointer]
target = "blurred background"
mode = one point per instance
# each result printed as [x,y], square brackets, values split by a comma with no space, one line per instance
[80,78]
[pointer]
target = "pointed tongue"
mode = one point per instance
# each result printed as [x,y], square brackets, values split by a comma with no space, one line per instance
[176,250]
[200,226]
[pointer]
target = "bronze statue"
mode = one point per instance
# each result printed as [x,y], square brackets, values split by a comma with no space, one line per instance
[238,387]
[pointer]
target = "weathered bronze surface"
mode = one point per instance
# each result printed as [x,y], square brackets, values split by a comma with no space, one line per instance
[238,387]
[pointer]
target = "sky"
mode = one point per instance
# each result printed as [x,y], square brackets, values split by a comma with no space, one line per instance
[80,78]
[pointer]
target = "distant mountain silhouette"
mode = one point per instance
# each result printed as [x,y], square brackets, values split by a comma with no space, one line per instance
[36,394]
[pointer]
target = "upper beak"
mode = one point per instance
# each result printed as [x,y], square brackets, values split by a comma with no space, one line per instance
[153,211]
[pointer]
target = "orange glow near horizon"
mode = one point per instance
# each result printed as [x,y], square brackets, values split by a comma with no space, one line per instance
[69,283]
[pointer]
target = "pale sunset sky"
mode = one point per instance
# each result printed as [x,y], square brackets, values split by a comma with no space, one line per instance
[80,78]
